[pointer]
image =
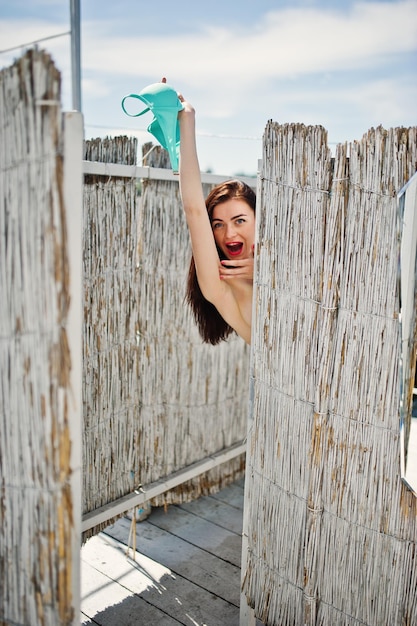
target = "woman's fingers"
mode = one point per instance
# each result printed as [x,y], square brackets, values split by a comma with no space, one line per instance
[235,264]
[180,96]
[236,269]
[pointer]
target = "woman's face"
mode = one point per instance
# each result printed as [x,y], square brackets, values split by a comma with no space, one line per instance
[233,224]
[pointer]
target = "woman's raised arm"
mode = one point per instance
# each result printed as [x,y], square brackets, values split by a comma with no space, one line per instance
[203,245]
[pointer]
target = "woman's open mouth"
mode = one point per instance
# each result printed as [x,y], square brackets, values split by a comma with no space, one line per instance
[235,248]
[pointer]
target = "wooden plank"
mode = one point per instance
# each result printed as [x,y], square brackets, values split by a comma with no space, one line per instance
[155,583]
[216,511]
[232,494]
[108,603]
[202,533]
[73,146]
[220,577]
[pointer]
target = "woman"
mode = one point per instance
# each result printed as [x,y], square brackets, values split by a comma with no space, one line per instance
[222,231]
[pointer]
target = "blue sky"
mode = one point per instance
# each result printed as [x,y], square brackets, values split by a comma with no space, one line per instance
[345,65]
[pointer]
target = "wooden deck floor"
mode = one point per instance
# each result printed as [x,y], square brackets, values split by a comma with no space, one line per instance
[186,568]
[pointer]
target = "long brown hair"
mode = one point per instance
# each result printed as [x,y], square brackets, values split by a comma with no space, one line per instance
[210,323]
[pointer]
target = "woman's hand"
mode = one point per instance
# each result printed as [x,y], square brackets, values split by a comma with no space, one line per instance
[188,108]
[243,268]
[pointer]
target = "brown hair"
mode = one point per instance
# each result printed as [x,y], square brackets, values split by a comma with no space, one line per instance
[210,323]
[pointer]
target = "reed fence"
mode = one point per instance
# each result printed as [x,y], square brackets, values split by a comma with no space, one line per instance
[331,528]
[38,494]
[156,399]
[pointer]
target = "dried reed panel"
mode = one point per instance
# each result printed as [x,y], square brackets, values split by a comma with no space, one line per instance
[197,393]
[155,398]
[110,349]
[332,531]
[36,513]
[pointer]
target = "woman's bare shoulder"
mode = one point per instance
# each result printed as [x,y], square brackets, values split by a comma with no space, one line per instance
[236,309]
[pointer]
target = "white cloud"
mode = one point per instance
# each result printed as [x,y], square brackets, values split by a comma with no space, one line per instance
[347,68]
[22,32]
[383,100]
[283,43]
[220,68]
[96,88]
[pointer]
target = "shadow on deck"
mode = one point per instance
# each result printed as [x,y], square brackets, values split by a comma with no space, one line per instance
[186,568]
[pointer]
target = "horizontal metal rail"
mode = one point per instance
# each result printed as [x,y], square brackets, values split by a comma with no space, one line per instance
[154,173]
[143,494]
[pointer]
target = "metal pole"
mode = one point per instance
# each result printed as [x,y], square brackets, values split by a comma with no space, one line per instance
[76,54]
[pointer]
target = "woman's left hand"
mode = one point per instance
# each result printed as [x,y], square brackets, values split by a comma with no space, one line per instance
[236,269]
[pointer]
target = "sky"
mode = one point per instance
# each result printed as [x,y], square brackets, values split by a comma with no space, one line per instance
[346,65]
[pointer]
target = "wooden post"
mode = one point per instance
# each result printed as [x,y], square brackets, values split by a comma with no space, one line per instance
[247,614]
[73,179]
